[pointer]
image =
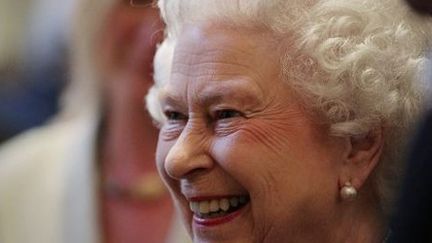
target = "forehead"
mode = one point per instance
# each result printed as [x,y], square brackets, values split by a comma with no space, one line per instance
[217,42]
[210,55]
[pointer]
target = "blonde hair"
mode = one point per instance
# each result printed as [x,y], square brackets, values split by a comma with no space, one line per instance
[357,63]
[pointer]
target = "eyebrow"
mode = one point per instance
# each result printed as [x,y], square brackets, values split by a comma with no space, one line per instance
[215,94]
[170,98]
[140,3]
[227,92]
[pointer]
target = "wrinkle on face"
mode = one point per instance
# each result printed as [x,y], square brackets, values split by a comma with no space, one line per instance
[268,149]
[267,131]
[209,62]
[216,58]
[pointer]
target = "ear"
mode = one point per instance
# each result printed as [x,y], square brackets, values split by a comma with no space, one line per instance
[362,157]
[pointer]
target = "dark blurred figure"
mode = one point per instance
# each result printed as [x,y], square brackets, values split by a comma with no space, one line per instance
[32,98]
[413,220]
[421,6]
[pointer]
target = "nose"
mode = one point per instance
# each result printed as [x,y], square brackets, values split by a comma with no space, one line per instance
[189,155]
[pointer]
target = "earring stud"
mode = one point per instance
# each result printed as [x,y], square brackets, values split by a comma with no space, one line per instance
[348,192]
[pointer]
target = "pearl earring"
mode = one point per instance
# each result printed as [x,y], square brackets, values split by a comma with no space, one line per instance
[348,192]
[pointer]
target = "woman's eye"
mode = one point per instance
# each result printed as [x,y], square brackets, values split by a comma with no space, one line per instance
[225,114]
[175,116]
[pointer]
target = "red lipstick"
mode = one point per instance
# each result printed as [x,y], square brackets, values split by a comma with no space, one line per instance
[209,222]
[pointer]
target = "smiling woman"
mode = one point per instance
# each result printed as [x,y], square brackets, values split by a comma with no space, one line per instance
[284,121]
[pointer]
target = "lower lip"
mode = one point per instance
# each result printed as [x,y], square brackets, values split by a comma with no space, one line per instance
[220,220]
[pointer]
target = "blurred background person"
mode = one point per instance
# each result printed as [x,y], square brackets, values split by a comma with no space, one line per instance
[89,175]
[33,68]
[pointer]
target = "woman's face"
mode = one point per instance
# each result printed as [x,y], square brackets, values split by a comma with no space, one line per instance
[238,144]
[128,40]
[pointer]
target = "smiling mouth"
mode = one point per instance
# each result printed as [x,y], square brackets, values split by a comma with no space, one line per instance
[216,208]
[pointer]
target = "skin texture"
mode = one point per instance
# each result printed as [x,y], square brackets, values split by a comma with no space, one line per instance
[235,128]
[128,138]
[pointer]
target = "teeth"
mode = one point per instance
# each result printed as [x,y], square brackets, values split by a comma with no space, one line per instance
[234,202]
[194,206]
[216,207]
[224,204]
[204,207]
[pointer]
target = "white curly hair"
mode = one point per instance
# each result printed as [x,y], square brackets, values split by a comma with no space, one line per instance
[357,64]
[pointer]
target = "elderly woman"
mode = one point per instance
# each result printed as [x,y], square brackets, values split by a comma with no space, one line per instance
[89,176]
[284,121]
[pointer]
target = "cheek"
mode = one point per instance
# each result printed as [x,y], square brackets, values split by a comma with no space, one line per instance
[289,141]
[252,151]
[283,190]
[266,143]
[289,164]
